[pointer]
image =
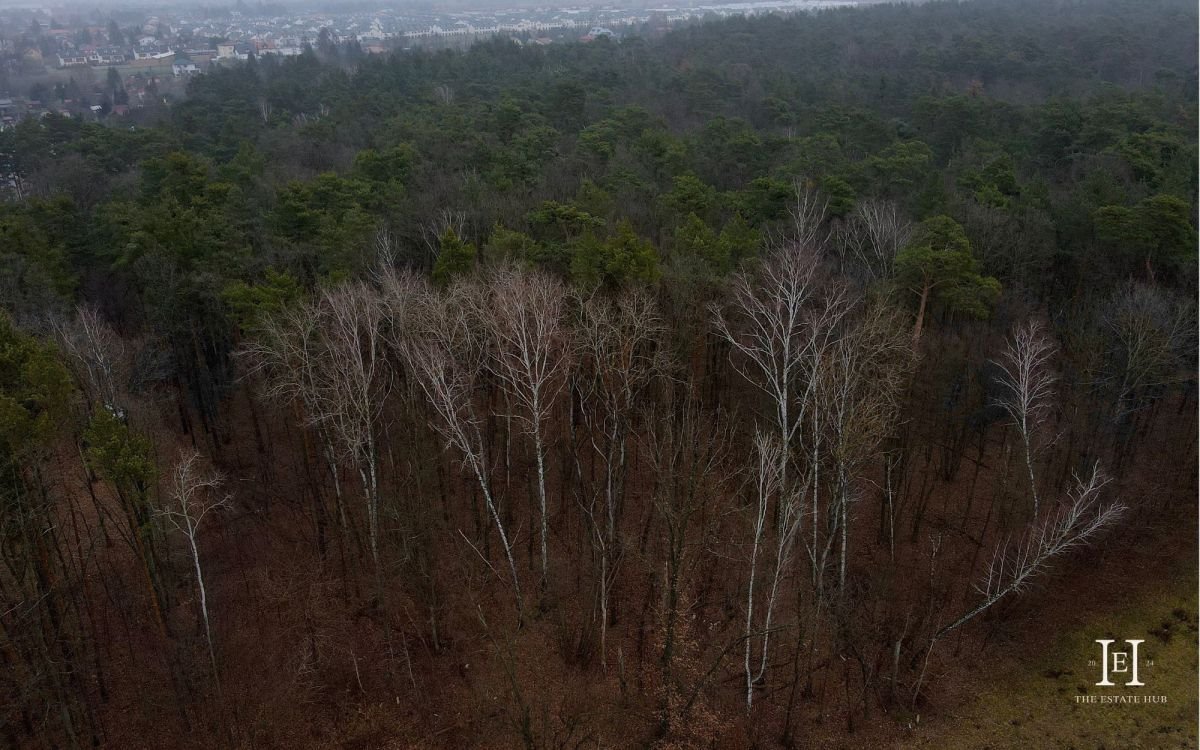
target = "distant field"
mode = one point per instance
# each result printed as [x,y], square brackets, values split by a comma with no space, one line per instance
[51,75]
[160,68]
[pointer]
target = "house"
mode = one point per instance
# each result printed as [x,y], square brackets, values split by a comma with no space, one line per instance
[235,51]
[184,66]
[153,52]
[201,56]
[107,56]
[72,59]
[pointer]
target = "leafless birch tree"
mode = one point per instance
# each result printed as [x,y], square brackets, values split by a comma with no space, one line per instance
[807,215]
[194,493]
[871,236]
[446,358]
[768,484]
[1027,380]
[1015,563]
[779,319]
[352,385]
[286,350]
[529,353]
[329,356]
[97,357]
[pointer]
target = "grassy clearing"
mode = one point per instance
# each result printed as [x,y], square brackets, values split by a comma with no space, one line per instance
[1032,702]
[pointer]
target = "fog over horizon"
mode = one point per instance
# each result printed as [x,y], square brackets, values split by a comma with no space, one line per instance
[133,6]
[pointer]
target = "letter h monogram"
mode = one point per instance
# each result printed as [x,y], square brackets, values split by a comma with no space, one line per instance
[1120,662]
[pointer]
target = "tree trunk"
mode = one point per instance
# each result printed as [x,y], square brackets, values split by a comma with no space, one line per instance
[916,337]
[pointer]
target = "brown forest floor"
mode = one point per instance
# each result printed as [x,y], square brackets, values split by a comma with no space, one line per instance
[295,649]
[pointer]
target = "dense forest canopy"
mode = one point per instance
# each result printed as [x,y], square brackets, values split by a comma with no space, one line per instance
[710,380]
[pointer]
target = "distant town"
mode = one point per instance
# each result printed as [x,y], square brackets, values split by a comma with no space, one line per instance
[101,64]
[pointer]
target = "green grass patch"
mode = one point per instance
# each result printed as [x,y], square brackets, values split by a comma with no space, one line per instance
[1040,702]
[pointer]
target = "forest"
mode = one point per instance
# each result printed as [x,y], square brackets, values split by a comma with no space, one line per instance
[732,388]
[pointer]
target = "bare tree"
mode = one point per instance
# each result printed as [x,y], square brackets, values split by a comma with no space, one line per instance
[1014,564]
[864,373]
[1148,331]
[446,360]
[329,356]
[619,344]
[194,493]
[282,349]
[404,294]
[433,230]
[807,213]
[1028,381]
[529,354]
[687,452]
[287,353]
[352,383]
[768,484]
[96,355]
[786,320]
[780,320]
[872,235]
